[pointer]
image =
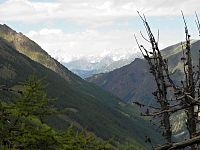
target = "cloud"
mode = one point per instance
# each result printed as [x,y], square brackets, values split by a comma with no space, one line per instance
[26,11]
[65,46]
[86,19]
[91,12]
[45,31]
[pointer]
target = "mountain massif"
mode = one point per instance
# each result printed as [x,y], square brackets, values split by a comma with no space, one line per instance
[88,66]
[89,107]
[133,82]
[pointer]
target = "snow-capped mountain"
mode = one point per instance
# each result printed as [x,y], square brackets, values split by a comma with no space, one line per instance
[105,62]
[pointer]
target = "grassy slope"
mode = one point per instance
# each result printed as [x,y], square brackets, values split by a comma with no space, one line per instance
[91,107]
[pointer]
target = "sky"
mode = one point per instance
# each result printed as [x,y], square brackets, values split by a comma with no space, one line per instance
[68,29]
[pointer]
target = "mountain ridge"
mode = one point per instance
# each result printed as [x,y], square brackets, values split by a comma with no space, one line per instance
[90,107]
[129,82]
[86,66]
[31,49]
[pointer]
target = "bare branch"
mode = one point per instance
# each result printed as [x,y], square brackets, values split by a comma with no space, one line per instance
[179,145]
[197,22]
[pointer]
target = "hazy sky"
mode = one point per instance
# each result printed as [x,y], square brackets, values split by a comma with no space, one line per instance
[69,28]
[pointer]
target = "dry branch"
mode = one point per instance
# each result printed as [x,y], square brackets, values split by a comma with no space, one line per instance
[179,145]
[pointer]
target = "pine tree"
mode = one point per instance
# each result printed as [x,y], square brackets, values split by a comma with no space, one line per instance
[22,124]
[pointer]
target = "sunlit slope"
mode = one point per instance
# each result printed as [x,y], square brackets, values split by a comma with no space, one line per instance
[88,106]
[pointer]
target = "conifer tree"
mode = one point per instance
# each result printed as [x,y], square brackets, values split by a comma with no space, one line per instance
[22,124]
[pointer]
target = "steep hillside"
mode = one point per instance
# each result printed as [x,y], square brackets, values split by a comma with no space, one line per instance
[134,82]
[32,50]
[126,82]
[88,106]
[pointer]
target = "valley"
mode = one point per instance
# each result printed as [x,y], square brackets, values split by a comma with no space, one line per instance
[91,107]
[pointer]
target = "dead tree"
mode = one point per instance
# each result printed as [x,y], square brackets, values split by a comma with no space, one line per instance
[189,88]
[186,95]
[159,69]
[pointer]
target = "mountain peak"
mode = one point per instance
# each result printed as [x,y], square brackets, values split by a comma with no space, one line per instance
[5,28]
[130,81]
[85,103]
[32,50]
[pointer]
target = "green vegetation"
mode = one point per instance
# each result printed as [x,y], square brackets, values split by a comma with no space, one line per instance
[22,125]
[87,106]
[32,50]
[138,84]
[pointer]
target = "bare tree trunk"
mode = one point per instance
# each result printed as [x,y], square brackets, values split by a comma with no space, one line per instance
[159,70]
[190,87]
[187,95]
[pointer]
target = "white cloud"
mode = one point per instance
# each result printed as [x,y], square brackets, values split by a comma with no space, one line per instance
[26,11]
[91,14]
[92,11]
[45,31]
[65,46]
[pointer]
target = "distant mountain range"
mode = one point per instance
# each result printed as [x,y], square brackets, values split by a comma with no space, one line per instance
[134,82]
[89,106]
[88,66]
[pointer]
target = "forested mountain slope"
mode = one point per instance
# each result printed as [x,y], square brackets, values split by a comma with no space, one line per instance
[88,106]
[133,82]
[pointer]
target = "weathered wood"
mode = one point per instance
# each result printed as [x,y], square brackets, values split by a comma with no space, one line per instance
[179,145]
[187,95]
[159,69]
